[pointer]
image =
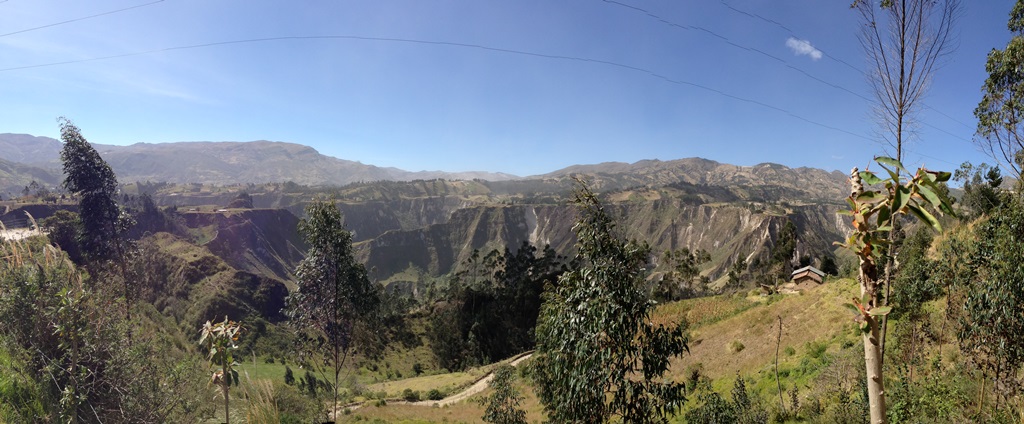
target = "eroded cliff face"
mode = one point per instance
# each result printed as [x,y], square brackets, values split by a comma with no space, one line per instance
[727,231]
[369,220]
[260,241]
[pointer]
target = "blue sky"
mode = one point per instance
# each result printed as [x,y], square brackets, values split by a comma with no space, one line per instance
[517,86]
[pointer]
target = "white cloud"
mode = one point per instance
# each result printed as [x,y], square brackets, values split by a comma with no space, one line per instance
[803,47]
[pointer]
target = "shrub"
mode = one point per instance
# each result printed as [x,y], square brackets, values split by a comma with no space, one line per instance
[736,346]
[411,395]
[816,349]
[435,394]
[289,376]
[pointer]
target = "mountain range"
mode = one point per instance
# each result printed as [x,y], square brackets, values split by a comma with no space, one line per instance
[428,223]
[210,163]
[24,158]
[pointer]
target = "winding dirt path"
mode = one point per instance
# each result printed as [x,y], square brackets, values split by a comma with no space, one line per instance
[477,387]
[16,233]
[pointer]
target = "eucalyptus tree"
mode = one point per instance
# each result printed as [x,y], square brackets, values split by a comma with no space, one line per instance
[992,315]
[103,224]
[91,179]
[598,354]
[503,406]
[1001,110]
[334,294]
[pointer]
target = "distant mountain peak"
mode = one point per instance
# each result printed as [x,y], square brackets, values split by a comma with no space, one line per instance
[221,162]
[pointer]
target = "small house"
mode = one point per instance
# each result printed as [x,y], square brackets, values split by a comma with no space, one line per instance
[808,273]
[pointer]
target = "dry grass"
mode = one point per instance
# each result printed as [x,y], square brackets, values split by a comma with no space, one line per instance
[449,383]
[816,315]
[469,411]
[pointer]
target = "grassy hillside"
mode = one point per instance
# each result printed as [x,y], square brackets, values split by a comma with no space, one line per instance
[816,330]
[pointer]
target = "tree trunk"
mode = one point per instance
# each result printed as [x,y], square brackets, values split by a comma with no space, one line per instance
[873,363]
[226,386]
[869,285]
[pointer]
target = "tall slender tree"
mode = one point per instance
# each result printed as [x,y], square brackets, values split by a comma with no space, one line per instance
[104,224]
[873,213]
[905,40]
[598,354]
[89,177]
[334,293]
[1001,110]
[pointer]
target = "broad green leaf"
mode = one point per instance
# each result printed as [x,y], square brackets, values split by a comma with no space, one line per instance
[871,197]
[869,178]
[894,177]
[941,176]
[852,308]
[943,204]
[900,199]
[929,195]
[884,213]
[925,217]
[884,160]
[880,311]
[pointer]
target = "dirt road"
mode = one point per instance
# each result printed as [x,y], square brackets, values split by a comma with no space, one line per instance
[16,233]
[477,387]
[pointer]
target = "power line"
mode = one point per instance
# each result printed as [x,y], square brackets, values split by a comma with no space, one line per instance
[451,44]
[949,117]
[728,41]
[776,58]
[824,53]
[946,132]
[79,19]
[789,31]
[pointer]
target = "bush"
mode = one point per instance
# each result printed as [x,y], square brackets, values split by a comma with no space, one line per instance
[411,395]
[289,376]
[435,394]
[736,346]
[789,351]
[816,349]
